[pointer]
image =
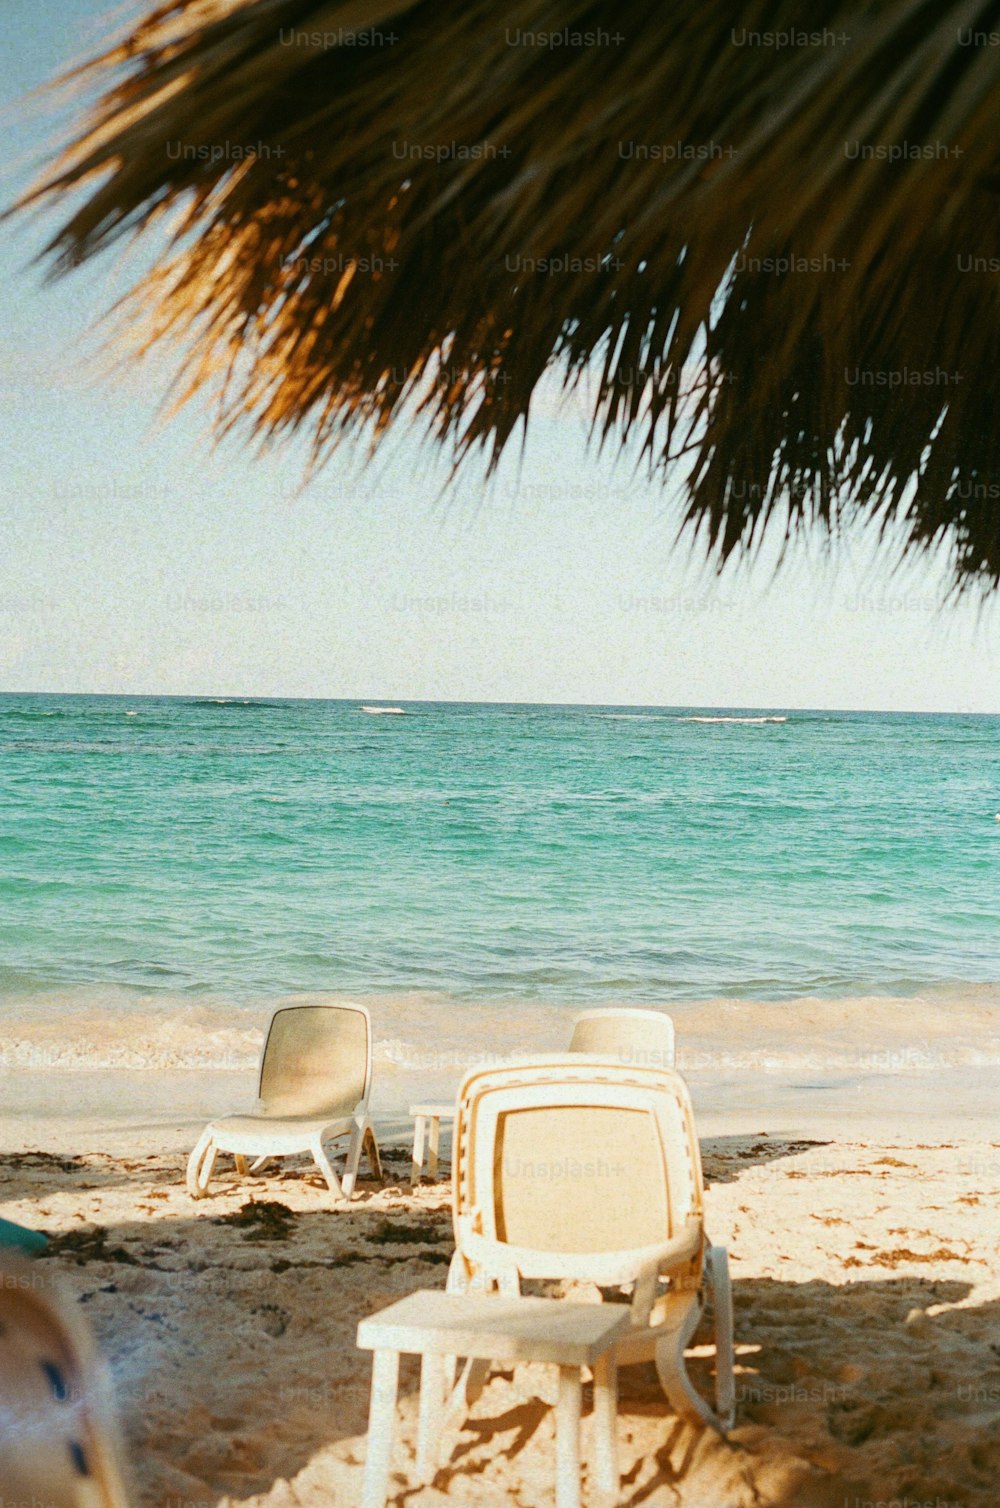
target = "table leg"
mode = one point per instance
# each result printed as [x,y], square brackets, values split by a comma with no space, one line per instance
[432,1386]
[606,1429]
[381,1426]
[434,1141]
[568,1439]
[417,1165]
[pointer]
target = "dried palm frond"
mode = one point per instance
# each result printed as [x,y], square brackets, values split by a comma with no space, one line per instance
[778,255]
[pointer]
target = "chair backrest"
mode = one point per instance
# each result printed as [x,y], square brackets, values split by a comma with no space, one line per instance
[317,1060]
[639,1038]
[575,1164]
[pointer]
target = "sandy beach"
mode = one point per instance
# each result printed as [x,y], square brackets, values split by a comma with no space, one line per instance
[866,1281]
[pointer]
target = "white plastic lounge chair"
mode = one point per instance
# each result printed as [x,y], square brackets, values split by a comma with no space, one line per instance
[575,1166]
[315,1078]
[640,1038]
[59,1444]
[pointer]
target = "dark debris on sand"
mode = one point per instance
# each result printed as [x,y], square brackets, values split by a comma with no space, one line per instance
[389,1233]
[261,1220]
[88,1246]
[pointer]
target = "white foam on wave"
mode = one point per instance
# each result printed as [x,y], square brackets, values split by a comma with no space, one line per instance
[93,1029]
[424,1043]
[396,1053]
[732,719]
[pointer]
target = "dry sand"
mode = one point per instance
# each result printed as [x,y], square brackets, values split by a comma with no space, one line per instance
[866,1281]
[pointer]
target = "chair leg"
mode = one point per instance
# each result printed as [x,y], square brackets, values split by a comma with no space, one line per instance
[459,1279]
[606,1430]
[433,1143]
[417,1160]
[201,1164]
[717,1260]
[353,1159]
[472,1381]
[432,1385]
[568,1439]
[372,1152]
[457,1282]
[362,1140]
[326,1167]
[381,1427]
[681,1316]
[242,1166]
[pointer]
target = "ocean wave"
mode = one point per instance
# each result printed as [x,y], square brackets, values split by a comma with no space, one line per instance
[232,701]
[731,719]
[111,1028]
[434,1039]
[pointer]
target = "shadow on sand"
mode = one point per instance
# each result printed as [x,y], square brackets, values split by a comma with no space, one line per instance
[725,1157]
[232,1344]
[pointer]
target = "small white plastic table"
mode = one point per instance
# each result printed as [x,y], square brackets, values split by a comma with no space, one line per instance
[507,1330]
[427,1121]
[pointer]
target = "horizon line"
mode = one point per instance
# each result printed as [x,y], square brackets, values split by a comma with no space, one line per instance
[244,696]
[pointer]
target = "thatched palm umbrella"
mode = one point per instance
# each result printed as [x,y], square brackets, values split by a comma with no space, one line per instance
[767,233]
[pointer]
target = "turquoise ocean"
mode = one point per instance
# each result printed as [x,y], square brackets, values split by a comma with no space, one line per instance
[170,868]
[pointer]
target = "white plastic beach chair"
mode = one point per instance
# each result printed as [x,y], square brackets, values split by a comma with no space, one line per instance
[315,1079]
[59,1442]
[576,1166]
[641,1038]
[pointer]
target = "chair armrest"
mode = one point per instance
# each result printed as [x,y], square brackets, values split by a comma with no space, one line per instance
[508,1265]
[485,1260]
[675,1253]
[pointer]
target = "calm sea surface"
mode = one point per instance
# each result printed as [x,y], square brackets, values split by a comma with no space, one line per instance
[247,849]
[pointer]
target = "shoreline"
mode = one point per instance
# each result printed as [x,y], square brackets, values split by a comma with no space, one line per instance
[104,1052]
[161,1113]
[156,1113]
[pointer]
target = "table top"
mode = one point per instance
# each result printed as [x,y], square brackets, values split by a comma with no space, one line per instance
[496,1327]
[439,1111]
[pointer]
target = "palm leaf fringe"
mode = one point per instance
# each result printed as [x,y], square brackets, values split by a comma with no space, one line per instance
[780,260]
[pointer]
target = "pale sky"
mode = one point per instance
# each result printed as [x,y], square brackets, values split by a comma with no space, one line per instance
[134,558]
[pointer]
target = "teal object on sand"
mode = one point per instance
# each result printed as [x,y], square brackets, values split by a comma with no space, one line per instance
[19,1236]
